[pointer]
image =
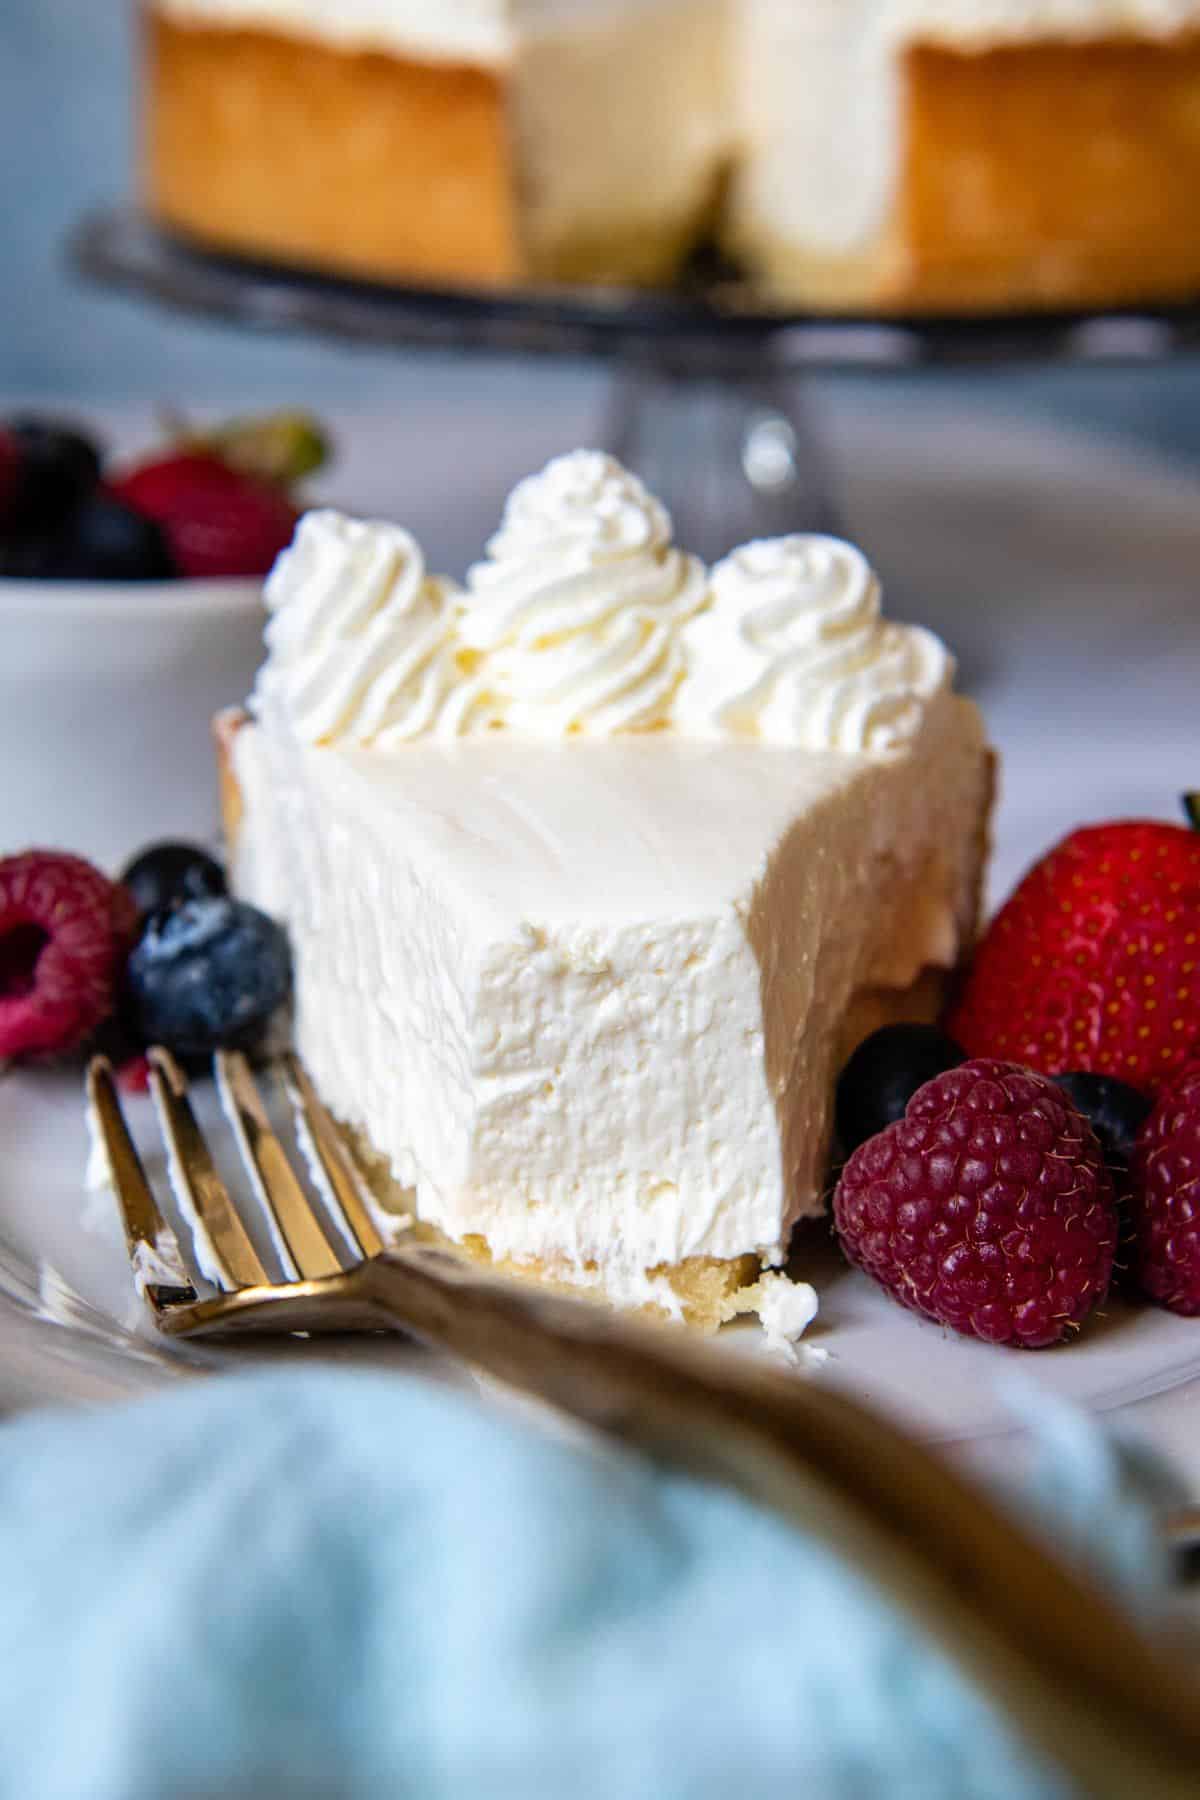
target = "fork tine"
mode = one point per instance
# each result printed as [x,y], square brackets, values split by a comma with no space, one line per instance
[223,1249]
[322,1140]
[159,1270]
[270,1172]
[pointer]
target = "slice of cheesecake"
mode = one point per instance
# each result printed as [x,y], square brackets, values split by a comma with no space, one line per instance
[583,991]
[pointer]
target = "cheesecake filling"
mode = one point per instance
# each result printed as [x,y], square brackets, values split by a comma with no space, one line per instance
[471,31]
[597,868]
[590,1003]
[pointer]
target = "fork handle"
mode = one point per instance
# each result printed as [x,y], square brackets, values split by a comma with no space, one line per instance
[1065,1663]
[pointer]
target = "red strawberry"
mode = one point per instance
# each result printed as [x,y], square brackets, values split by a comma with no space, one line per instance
[65,930]
[987,1207]
[1094,961]
[218,520]
[1165,1205]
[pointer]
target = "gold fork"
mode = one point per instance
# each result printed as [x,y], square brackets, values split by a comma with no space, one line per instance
[1074,1675]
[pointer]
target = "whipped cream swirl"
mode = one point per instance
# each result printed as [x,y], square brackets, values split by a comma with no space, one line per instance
[793,650]
[575,615]
[361,640]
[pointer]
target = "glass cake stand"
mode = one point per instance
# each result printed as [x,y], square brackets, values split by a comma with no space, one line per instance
[709,401]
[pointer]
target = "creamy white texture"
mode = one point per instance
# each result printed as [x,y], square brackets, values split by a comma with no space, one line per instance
[818,97]
[159,1264]
[577,610]
[487,31]
[793,649]
[622,128]
[583,1013]
[477,31]
[786,1309]
[360,643]
[977,23]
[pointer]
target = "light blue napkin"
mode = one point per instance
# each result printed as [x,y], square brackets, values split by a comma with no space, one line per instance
[345,1584]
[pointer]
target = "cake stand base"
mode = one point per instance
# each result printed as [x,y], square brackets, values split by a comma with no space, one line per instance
[732,455]
[708,401]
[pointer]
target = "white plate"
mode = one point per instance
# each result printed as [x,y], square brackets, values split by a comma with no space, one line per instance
[1068,579]
[74,1329]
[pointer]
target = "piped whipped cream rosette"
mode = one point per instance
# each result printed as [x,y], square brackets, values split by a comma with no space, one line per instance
[584,619]
[576,613]
[360,642]
[793,649]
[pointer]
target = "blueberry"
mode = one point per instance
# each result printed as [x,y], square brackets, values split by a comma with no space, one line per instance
[206,974]
[105,540]
[1115,1111]
[58,468]
[102,540]
[883,1075]
[165,873]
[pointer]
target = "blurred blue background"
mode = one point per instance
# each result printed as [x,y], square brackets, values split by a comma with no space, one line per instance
[68,135]
[67,143]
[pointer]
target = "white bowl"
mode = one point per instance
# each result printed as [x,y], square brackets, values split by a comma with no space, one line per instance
[107,692]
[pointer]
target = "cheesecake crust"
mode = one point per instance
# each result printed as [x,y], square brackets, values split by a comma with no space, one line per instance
[709,1290]
[1034,175]
[225,728]
[355,161]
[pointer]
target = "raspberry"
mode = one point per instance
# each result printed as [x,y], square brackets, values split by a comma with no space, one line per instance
[133,1077]
[64,932]
[1165,1203]
[987,1207]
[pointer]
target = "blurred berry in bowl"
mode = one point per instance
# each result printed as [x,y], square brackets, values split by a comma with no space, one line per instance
[131,612]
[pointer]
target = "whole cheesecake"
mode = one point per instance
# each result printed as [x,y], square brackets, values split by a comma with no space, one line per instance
[596,872]
[878,155]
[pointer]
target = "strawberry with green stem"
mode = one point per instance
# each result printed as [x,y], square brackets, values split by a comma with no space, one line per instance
[224,499]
